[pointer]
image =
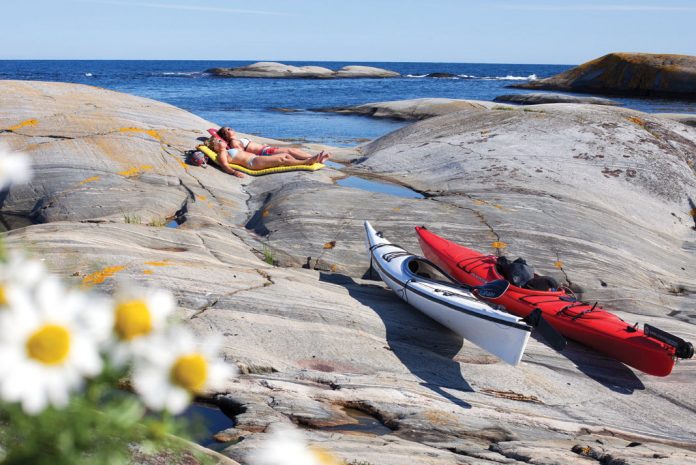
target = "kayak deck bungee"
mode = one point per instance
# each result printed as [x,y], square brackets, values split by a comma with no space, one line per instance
[420,283]
[651,350]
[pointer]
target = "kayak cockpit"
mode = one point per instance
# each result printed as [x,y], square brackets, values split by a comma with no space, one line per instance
[419,267]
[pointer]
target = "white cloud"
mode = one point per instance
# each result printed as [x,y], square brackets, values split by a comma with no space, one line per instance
[172,6]
[595,7]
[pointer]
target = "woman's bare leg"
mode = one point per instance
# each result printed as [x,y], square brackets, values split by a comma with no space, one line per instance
[285,159]
[298,154]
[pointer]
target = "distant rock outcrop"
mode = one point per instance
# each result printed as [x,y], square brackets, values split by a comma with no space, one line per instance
[639,74]
[411,110]
[441,75]
[269,69]
[538,98]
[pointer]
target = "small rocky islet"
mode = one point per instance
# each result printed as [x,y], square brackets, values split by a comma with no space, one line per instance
[597,196]
[269,69]
[629,74]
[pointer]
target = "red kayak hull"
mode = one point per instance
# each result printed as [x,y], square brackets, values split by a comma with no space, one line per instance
[579,321]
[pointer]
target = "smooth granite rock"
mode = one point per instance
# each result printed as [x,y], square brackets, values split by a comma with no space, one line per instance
[364,72]
[639,74]
[266,69]
[685,118]
[322,348]
[544,97]
[411,110]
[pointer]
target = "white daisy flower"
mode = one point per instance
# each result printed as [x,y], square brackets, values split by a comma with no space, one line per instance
[45,351]
[287,446]
[138,314]
[174,368]
[14,167]
[18,275]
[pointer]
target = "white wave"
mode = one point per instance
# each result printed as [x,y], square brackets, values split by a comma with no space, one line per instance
[88,74]
[467,76]
[416,75]
[531,77]
[181,73]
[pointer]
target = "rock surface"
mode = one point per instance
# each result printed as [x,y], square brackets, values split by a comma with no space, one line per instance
[640,74]
[685,118]
[544,97]
[266,69]
[315,344]
[410,110]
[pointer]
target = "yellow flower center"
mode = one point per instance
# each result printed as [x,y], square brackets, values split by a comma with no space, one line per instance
[325,457]
[50,345]
[190,372]
[3,297]
[133,319]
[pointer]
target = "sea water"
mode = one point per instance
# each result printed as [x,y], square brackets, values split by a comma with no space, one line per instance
[281,108]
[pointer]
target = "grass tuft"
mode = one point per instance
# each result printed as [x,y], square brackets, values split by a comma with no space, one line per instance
[132,218]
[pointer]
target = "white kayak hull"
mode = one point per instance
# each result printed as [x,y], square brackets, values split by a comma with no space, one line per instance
[502,334]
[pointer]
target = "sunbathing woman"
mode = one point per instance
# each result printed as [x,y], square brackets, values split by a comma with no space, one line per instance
[252,161]
[245,144]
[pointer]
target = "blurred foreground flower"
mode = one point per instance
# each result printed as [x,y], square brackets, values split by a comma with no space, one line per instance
[14,167]
[173,369]
[138,314]
[286,445]
[45,349]
[18,275]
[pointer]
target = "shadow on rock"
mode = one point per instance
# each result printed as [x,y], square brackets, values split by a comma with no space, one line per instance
[425,347]
[605,370]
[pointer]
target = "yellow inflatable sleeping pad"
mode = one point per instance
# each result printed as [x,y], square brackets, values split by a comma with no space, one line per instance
[278,169]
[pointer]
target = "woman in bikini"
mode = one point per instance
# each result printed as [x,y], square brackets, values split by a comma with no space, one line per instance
[229,136]
[238,156]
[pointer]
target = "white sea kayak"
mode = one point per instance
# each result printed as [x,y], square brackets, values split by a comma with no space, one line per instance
[422,284]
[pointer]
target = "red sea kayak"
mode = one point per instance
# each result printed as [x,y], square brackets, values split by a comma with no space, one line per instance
[651,350]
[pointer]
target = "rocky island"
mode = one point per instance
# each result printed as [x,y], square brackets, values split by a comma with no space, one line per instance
[266,69]
[596,196]
[636,74]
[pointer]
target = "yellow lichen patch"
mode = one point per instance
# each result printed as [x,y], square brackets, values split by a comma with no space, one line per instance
[333,268]
[638,121]
[183,165]
[29,122]
[148,271]
[92,179]
[396,209]
[265,213]
[693,212]
[201,197]
[330,245]
[499,245]
[135,171]
[162,263]
[98,277]
[499,207]
[479,202]
[558,264]
[150,132]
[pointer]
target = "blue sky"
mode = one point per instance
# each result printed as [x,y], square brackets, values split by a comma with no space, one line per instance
[504,31]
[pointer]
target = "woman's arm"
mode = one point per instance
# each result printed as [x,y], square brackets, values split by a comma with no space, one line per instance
[223,163]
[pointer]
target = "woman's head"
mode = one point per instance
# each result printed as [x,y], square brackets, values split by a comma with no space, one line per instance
[227,134]
[215,144]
